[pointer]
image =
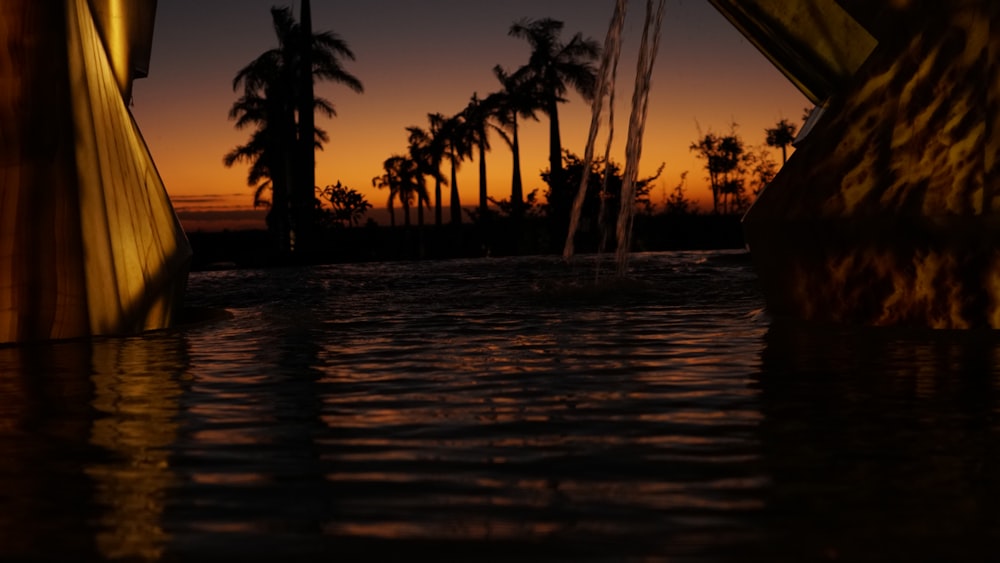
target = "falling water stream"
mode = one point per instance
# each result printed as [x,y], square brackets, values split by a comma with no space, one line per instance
[607,78]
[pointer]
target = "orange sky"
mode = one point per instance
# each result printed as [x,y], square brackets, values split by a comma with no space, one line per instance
[430,56]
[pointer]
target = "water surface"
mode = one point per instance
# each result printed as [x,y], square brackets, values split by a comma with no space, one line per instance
[505,409]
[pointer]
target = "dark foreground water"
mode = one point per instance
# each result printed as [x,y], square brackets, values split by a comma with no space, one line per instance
[503,409]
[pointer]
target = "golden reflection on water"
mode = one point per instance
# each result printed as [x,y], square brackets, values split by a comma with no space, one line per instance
[137,389]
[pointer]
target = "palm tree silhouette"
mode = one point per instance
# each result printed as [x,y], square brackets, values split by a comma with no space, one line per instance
[478,116]
[387,181]
[418,167]
[458,146]
[261,151]
[404,179]
[428,148]
[514,100]
[277,86]
[552,69]
[781,135]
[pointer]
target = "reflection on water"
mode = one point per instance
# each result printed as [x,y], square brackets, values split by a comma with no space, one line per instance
[882,442]
[137,393]
[502,409]
[86,428]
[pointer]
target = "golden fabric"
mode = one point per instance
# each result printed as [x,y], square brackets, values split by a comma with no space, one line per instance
[89,243]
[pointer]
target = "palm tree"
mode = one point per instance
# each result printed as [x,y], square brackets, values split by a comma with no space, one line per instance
[552,69]
[781,135]
[478,116]
[458,146]
[277,85]
[427,147]
[413,184]
[426,165]
[405,180]
[513,101]
[387,180]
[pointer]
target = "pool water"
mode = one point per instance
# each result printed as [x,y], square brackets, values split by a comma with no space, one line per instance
[501,409]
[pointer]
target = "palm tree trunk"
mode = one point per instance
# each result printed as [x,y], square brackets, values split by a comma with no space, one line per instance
[516,186]
[456,205]
[285,192]
[282,182]
[482,181]
[714,182]
[421,201]
[437,201]
[555,144]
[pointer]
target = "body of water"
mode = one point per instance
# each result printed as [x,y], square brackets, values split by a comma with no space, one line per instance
[501,409]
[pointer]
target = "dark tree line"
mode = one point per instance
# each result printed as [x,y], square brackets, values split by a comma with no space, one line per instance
[538,87]
[278,104]
[737,172]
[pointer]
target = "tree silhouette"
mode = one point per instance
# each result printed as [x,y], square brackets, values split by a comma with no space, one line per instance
[600,208]
[388,181]
[347,206]
[277,87]
[761,169]
[552,69]
[677,202]
[515,100]
[781,136]
[724,157]
[260,151]
[455,135]
[478,116]
[404,180]
[428,147]
[426,154]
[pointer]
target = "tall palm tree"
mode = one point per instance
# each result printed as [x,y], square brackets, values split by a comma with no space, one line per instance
[478,116]
[781,135]
[552,69]
[427,147]
[426,164]
[277,86]
[458,147]
[515,100]
[413,180]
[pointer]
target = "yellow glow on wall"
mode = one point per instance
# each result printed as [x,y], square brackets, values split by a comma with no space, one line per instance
[118,43]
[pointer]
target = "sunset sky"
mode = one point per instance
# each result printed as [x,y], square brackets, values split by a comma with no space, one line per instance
[421,56]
